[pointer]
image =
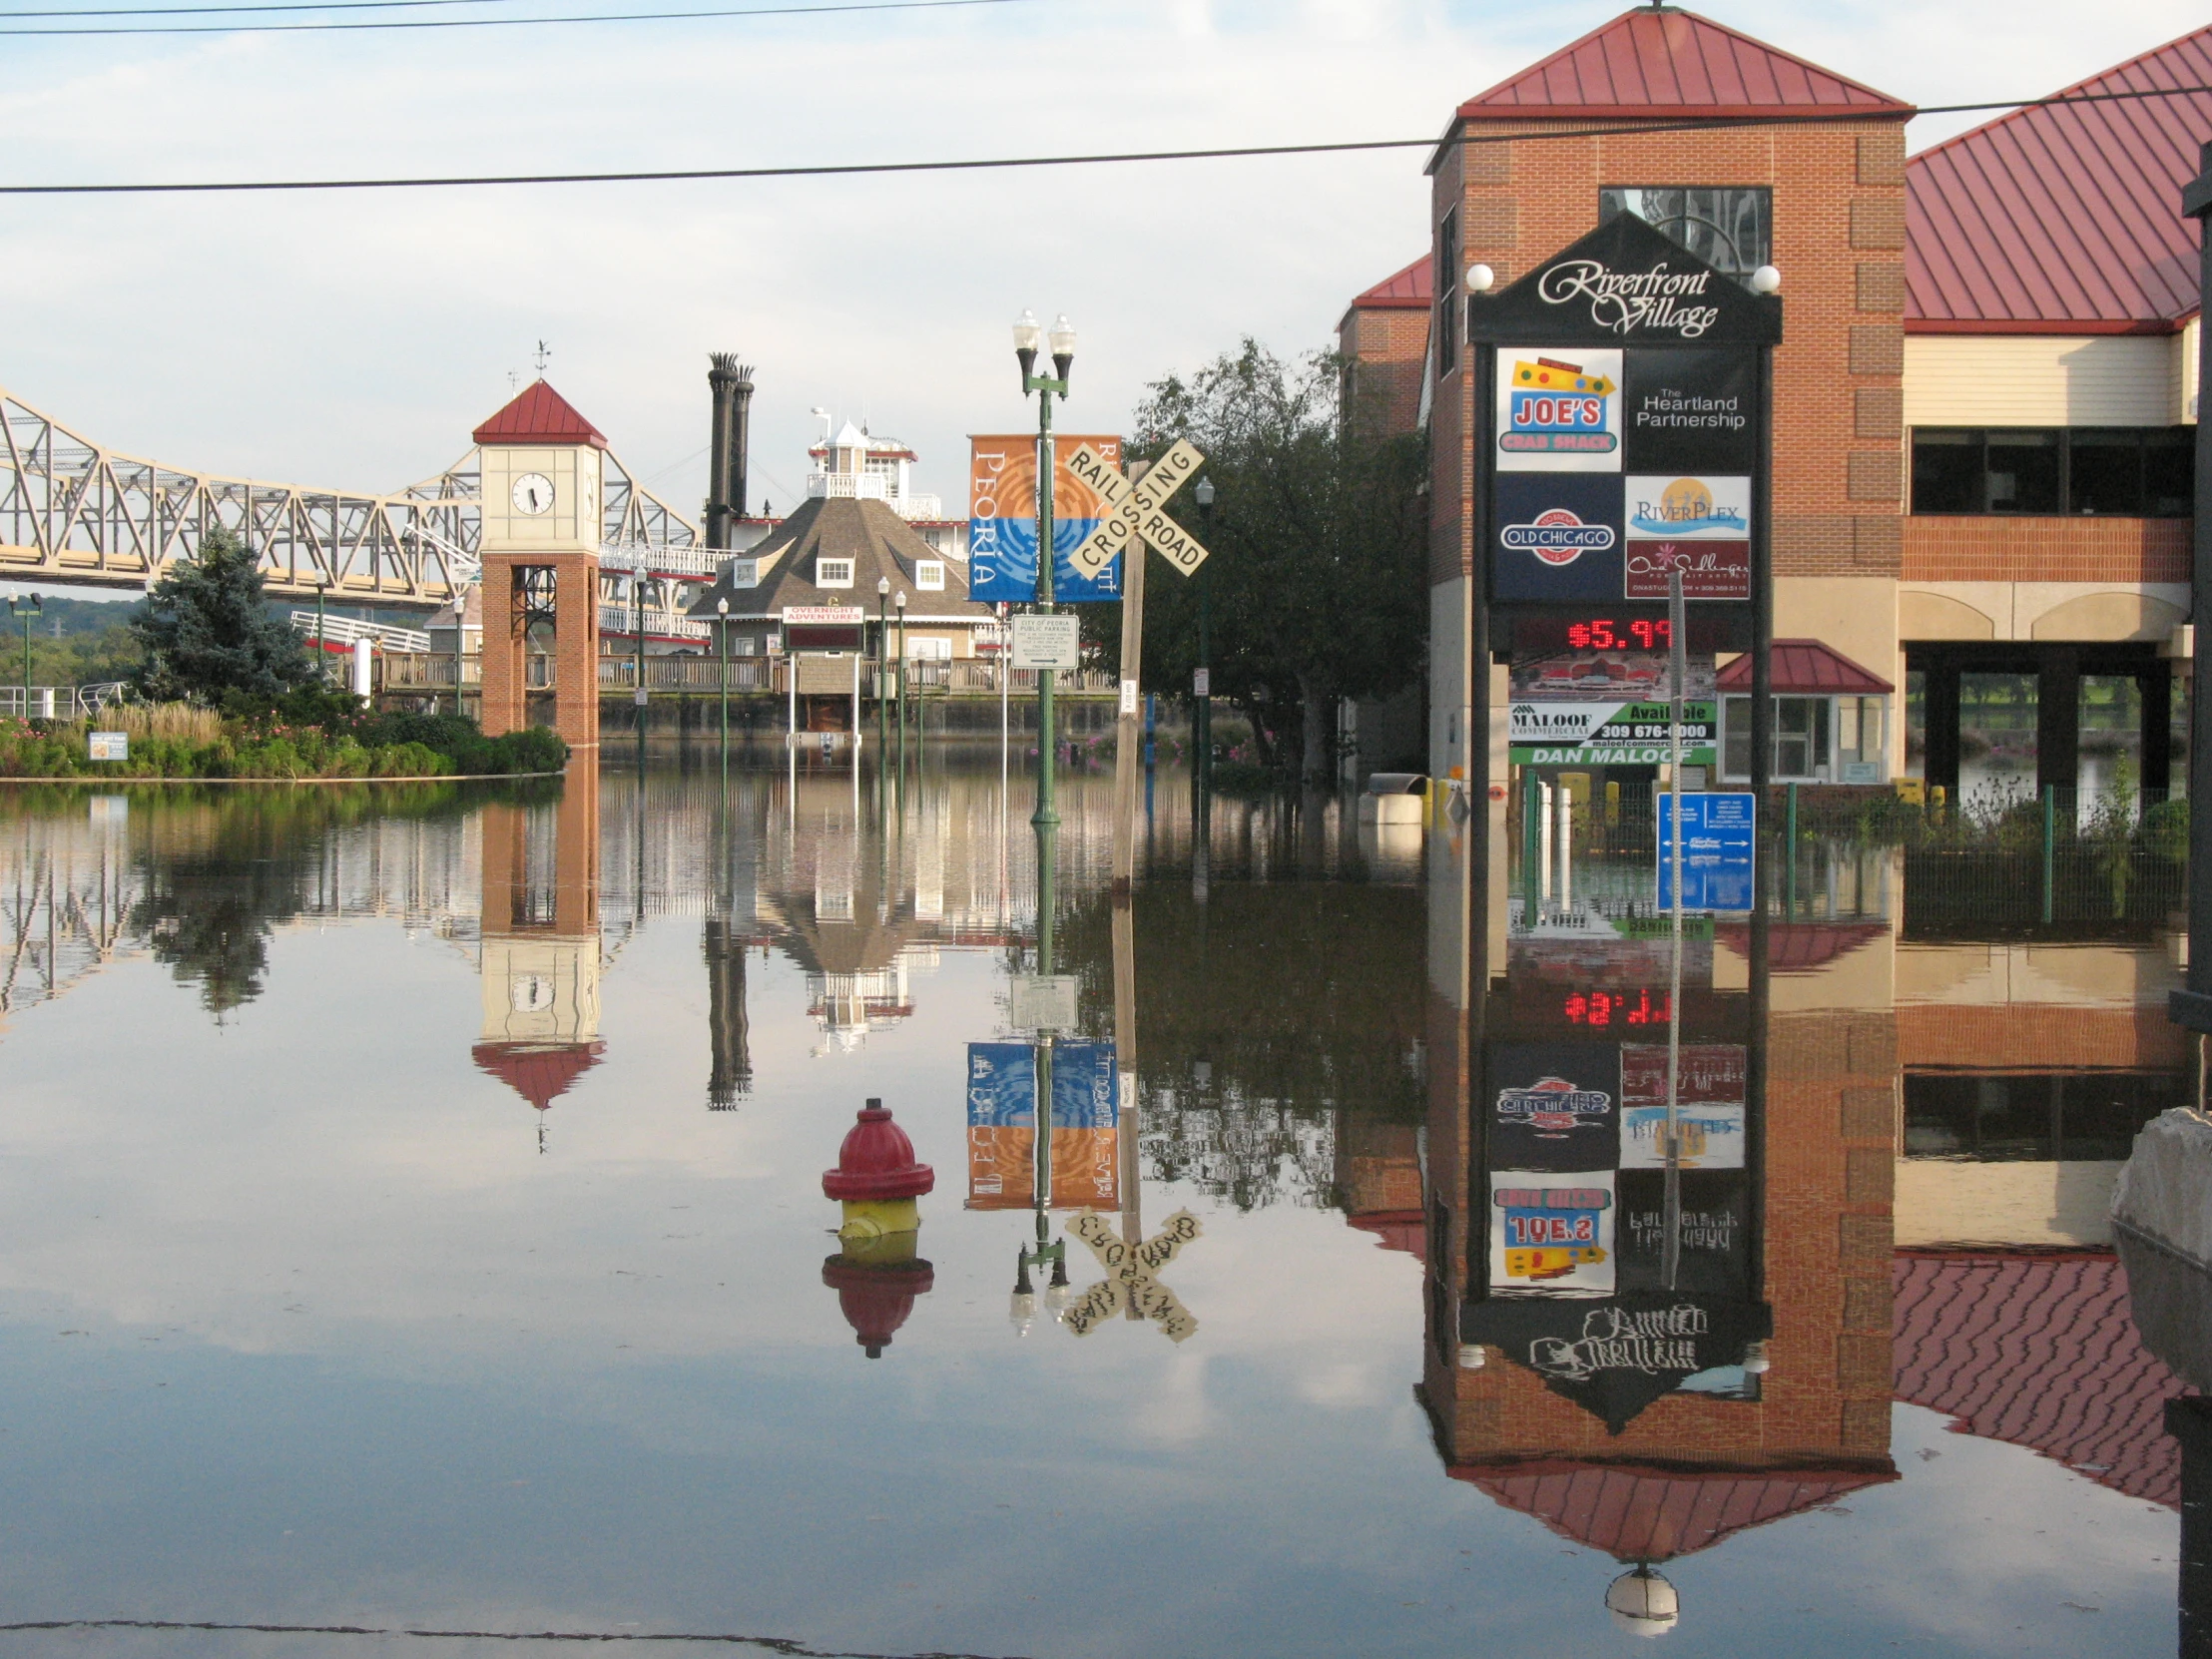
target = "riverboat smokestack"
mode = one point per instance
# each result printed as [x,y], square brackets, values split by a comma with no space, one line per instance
[731,384]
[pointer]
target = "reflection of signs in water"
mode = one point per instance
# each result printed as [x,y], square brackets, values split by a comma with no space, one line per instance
[1130,1279]
[1551,1231]
[1616,1338]
[531,993]
[1552,1103]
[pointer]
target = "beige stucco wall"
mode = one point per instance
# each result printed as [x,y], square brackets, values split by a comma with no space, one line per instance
[2043,379]
[2038,610]
[2077,976]
[1940,1201]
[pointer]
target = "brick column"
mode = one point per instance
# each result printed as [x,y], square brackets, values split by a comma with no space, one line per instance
[576,650]
[501,704]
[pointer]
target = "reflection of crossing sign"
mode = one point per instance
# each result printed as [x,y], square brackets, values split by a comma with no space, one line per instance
[1716,850]
[1130,1276]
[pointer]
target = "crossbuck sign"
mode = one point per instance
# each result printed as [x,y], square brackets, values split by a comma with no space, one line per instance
[1129,1280]
[1140,509]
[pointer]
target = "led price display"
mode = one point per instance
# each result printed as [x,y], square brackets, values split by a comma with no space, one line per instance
[1606,633]
[1600,1009]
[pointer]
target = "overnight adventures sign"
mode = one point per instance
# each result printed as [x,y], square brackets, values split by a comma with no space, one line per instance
[1625,403]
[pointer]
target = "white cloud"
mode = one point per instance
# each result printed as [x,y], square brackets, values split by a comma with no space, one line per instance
[355,338]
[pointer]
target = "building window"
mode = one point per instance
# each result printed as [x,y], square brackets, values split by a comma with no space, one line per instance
[1731,230]
[745,645]
[929,575]
[1822,739]
[2109,471]
[832,573]
[1448,293]
[745,573]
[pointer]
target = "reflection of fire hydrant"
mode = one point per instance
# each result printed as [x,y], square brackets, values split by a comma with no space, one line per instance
[877,1275]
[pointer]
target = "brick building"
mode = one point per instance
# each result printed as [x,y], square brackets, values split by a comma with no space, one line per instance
[1981,389]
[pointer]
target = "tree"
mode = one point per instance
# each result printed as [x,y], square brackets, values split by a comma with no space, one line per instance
[1319,537]
[207,631]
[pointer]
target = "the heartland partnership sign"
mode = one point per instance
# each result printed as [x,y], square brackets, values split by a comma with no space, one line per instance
[1625,402]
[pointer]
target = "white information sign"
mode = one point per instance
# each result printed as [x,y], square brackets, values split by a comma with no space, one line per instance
[1051,641]
[1043,1002]
[1202,682]
[108,746]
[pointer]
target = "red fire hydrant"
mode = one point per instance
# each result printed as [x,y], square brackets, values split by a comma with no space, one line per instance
[877,1273]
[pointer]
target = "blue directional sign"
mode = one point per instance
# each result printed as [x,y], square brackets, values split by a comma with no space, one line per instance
[1716,850]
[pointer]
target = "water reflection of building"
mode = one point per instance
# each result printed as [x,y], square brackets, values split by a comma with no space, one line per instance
[1645,1406]
[540,944]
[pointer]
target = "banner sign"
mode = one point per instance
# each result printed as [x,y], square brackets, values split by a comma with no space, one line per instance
[1609,708]
[1709,1106]
[1002,1127]
[1002,519]
[1554,1106]
[1552,1234]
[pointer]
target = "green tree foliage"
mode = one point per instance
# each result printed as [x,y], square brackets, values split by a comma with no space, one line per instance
[207,631]
[74,642]
[1319,536]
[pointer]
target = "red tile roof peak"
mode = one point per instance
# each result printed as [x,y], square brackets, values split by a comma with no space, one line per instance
[1808,668]
[539,415]
[2064,217]
[1658,58]
[1413,290]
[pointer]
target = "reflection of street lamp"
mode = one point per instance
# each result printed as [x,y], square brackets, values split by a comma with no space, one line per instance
[1028,338]
[1057,1292]
[26,611]
[1643,1603]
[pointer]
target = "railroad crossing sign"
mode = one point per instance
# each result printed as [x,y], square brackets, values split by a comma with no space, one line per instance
[1129,1280]
[1140,509]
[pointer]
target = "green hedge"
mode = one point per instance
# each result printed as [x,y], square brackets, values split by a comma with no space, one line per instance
[383,745]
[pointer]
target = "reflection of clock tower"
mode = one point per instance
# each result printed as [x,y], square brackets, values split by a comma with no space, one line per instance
[541,530]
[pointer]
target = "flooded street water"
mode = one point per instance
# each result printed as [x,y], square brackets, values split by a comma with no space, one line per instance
[414,1223]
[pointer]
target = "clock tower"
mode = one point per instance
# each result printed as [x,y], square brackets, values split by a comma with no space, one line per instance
[540,474]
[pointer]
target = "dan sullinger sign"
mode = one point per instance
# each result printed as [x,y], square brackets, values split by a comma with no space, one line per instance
[1609,708]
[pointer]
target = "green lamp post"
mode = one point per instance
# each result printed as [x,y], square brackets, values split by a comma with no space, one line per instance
[26,610]
[1029,336]
[722,657]
[902,603]
[883,664]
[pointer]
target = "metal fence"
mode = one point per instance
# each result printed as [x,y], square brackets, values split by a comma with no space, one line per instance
[404,671]
[59,702]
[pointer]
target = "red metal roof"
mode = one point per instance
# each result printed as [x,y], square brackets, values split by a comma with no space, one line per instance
[1659,58]
[539,1072]
[1411,290]
[1802,946]
[2041,1351]
[1807,668]
[1639,1514]
[540,415]
[2064,220]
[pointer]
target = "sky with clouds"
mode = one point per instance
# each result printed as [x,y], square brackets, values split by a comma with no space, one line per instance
[355,338]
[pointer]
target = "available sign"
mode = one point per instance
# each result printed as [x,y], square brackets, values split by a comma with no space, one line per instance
[1609,708]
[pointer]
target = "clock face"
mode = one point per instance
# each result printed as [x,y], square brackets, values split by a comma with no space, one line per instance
[533,493]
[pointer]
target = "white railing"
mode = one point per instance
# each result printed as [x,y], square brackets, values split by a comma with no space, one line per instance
[668,561]
[59,702]
[623,620]
[345,630]
[872,486]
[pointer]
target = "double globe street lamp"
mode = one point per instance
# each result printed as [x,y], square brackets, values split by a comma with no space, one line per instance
[1060,338]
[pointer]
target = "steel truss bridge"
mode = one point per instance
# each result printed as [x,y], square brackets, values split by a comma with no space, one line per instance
[75,512]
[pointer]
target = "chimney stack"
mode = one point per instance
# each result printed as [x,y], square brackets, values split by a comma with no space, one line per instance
[722,379]
[741,439]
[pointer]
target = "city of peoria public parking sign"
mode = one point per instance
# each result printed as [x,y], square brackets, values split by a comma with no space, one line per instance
[1625,402]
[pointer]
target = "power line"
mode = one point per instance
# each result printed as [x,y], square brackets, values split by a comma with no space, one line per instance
[483,22]
[293,6]
[1001,162]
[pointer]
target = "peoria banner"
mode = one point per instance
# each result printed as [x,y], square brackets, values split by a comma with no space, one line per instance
[1002,1127]
[1002,520]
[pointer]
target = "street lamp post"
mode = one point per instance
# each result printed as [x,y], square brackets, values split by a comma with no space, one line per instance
[882,663]
[637,610]
[1204,490]
[901,687]
[1061,341]
[26,610]
[321,651]
[722,657]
